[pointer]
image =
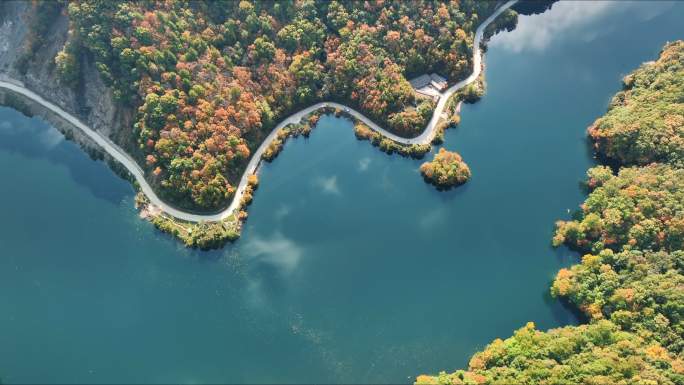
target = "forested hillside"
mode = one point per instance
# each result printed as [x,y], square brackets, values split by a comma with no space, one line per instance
[210,79]
[631,285]
[598,353]
[645,120]
[640,208]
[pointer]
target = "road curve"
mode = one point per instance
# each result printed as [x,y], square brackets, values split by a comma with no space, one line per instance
[132,166]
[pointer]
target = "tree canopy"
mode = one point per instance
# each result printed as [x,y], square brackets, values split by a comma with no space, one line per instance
[209,80]
[446,169]
[640,208]
[599,353]
[640,291]
[645,121]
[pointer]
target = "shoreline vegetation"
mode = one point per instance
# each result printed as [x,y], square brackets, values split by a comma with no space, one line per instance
[630,281]
[215,234]
[209,81]
[174,114]
[207,235]
[387,145]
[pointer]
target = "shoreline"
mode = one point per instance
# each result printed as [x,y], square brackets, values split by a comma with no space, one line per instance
[113,151]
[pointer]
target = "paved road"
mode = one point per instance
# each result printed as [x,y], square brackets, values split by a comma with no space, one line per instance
[253,166]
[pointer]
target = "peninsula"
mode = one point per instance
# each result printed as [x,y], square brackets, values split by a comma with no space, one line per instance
[189,147]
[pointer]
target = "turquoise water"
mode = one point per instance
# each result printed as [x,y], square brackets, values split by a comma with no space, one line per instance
[350,267]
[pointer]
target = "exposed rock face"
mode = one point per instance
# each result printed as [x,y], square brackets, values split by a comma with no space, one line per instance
[92,102]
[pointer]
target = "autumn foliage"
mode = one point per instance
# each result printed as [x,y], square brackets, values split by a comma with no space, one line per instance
[446,169]
[209,80]
[639,208]
[640,291]
[599,353]
[645,121]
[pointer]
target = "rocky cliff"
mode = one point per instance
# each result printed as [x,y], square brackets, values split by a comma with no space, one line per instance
[91,101]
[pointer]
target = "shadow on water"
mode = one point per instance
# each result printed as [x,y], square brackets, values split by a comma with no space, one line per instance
[590,153]
[203,256]
[448,194]
[564,312]
[33,138]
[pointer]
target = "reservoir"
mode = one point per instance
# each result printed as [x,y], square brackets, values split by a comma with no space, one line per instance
[350,267]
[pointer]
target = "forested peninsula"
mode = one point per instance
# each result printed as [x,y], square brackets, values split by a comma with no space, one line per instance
[209,80]
[201,85]
[631,278]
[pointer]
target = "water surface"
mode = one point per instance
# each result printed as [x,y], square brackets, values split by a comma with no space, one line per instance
[350,267]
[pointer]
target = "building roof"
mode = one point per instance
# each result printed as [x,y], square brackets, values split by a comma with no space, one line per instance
[438,81]
[428,90]
[433,80]
[437,78]
[421,81]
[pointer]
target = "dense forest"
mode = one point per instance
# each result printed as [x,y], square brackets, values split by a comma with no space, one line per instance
[644,122]
[630,285]
[598,353]
[640,208]
[209,80]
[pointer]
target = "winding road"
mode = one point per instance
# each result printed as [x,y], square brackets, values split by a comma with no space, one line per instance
[132,166]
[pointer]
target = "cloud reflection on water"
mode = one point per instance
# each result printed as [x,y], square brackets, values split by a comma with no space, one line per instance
[329,185]
[47,137]
[536,33]
[276,250]
[364,163]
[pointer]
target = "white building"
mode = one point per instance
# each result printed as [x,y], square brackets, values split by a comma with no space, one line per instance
[429,85]
[438,81]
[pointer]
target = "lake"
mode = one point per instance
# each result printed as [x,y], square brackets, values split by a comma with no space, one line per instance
[350,267]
